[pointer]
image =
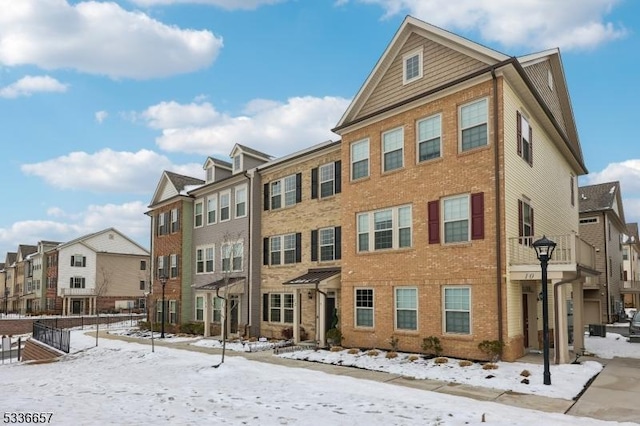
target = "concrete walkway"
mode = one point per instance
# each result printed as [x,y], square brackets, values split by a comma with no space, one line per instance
[613,395]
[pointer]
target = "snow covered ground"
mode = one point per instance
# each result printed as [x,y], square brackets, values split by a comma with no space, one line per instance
[120,383]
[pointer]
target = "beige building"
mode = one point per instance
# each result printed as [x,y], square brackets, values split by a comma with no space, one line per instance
[447,150]
[301,249]
[631,266]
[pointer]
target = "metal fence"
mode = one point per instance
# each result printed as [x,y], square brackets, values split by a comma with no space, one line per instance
[54,337]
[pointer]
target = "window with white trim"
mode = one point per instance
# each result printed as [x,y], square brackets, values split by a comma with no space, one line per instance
[173,312]
[456,219]
[197,214]
[412,66]
[161,266]
[225,200]
[280,307]
[429,138]
[237,160]
[327,179]
[283,192]
[199,308]
[327,242]
[282,249]
[212,209]
[232,254]
[364,307]
[175,225]
[77,282]
[360,159]
[217,309]
[457,310]
[474,129]
[209,173]
[205,259]
[391,229]
[406,307]
[525,134]
[525,219]
[241,201]
[78,260]
[393,149]
[174,266]
[161,224]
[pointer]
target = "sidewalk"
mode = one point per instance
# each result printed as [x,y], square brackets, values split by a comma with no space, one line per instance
[614,395]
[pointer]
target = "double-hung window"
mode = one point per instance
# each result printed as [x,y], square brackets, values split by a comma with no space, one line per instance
[225,206]
[327,244]
[161,224]
[199,308]
[77,282]
[364,307]
[278,307]
[198,212]
[174,265]
[391,229]
[392,149]
[525,219]
[456,219]
[430,138]
[212,209]
[327,180]
[457,310]
[406,304]
[283,192]
[232,257]
[175,225]
[217,309]
[360,159]
[525,136]
[474,130]
[241,201]
[283,249]
[204,259]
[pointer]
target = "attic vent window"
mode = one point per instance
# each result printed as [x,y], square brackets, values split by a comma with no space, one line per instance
[111,236]
[236,164]
[412,66]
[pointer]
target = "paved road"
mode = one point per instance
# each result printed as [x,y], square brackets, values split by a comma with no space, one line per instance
[618,330]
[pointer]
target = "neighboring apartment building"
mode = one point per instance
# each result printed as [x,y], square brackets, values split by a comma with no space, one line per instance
[53,304]
[301,248]
[10,282]
[631,267]
[602,224]
[447,150]
[36,284]
[101,272]
[23,289]
[225,280]
[171,213]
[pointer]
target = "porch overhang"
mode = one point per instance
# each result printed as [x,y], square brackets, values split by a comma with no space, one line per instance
[555,272]
[325,278]
[234,285]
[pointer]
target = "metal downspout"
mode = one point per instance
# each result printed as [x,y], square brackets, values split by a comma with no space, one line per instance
[498,205]
[556,339]
[250,251]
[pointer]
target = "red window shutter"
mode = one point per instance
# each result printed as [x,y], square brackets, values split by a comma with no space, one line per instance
[519,127]
[433,208]
[477,216]
[530,145]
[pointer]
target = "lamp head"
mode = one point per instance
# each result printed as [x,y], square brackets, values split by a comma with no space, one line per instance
[544,248]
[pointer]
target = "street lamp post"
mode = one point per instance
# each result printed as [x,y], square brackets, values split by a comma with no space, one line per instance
[163,281]
[6,297]
[544,249]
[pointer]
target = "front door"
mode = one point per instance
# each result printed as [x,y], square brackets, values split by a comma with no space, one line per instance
[234,313]
[525,319]
[76,307]
[330,312]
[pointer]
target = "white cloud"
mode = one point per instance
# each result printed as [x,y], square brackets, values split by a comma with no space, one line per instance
[99,38]
[128,218]
[628,174]
[272,127]
[101,116]
[224,4]
[29,85]
[536,24]
[107,171]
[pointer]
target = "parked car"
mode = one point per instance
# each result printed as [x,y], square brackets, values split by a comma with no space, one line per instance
[634,327]
[630,312]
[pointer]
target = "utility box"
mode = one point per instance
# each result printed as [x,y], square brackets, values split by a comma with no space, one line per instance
[598,330]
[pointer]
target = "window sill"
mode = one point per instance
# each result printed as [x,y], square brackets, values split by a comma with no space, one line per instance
[360,179]
[430,161]
[473,150]
[385,251]
[391,172]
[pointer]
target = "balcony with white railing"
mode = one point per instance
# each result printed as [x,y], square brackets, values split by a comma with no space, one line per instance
[570,251]
[76,292]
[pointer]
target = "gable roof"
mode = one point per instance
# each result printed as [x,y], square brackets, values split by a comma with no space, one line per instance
[217,162]
[25,250]
[631,236]
[600,198]
[519,71]
[10,259]
[85,241]
[177,183]
[250,151]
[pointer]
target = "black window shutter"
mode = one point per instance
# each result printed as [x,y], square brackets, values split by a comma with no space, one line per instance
[298,187]
[266,196]
[71,282]
[477,216]
[519,132]
[265,251]
[166,266]
[338,176]
[532,230]
[177,265]
[84,261]
[337,238]
[72,260]
[314,245]
[314,183]
[530,145]
[298,247]
[520,221]
[265,307]
[82,282]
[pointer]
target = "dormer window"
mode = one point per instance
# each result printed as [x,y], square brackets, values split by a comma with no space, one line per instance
[412,66]
[209,174]
[237,161]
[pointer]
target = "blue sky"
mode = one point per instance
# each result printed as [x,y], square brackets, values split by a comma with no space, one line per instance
[98,98]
